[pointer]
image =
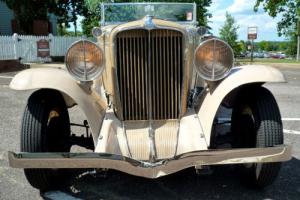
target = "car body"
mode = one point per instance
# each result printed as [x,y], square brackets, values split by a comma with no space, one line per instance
[150,89]
[278,55]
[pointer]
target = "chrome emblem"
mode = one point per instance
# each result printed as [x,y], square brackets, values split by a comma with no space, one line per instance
[148,23]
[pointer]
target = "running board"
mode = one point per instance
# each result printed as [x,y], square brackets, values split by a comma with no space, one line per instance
[148,169]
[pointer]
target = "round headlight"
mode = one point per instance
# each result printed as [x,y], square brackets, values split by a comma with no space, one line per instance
[85,60]
[213,59]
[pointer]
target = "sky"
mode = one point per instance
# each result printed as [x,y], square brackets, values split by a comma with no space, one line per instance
[242,11]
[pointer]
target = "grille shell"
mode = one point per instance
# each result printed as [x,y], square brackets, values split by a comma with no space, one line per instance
[149,66]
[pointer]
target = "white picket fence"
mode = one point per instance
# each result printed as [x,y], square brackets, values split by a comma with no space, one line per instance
[24,47]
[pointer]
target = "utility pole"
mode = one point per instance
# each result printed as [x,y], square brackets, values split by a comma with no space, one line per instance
[252,47]
[298,46]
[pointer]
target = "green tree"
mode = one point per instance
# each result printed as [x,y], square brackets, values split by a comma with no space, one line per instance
[88,23]
[229,34]
[26,11]
[67,11]
[243,45]
[263,45]
[290,12]
[292,44]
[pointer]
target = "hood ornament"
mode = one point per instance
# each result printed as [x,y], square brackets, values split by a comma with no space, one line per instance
[148,23]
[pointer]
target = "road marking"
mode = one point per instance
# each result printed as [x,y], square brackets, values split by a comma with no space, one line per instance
[56,195]
[290,119]
[283,119]
[291,132]
[7,77]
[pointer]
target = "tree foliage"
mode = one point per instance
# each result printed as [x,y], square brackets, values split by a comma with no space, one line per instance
[288,9]
[67,11]
[88,23]
[290,12]
[26,11]
[228,33]
[272,46]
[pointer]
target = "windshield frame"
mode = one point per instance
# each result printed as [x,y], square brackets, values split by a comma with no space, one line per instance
[192,22]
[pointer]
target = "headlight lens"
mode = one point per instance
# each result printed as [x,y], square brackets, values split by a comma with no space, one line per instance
[213,59]
[85,60]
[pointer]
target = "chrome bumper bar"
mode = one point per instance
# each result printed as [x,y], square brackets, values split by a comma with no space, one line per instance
[147,169]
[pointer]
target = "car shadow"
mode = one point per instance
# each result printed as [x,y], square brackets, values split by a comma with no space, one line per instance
[222,184]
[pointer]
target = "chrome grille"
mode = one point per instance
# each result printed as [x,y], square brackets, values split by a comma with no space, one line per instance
[149,70]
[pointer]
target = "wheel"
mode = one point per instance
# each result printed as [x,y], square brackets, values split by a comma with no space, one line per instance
[45,128]
[256,122]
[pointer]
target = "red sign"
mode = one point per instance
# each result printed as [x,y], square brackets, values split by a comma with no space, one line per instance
[43,48]
[252,36]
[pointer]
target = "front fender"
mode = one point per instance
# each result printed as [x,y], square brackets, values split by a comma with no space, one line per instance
[73,92]
[239,76]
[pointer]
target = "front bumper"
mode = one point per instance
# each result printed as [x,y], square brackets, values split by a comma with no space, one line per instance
[147,169]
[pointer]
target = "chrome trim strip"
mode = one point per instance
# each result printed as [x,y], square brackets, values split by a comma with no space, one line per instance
[147,169]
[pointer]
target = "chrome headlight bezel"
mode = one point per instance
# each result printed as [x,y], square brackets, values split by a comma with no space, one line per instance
[79,60]
[224,60]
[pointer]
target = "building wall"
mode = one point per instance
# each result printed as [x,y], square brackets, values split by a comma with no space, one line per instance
[6,15]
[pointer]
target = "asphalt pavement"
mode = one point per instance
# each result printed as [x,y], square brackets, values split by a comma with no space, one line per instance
[222,184]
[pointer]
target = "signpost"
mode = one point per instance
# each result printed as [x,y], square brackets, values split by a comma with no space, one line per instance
[252,35]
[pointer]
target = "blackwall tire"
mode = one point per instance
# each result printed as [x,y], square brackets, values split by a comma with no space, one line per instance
[261,129]
[45,128]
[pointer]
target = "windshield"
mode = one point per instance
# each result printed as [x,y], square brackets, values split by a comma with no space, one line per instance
[114,13]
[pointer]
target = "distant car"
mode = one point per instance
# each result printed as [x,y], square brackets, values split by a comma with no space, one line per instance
[260,55]
[266,55]
[282,56]
[278,56]
[255,55]
[150,89]
[241,55]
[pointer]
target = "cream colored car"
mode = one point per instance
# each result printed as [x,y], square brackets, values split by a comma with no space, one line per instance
[150,89]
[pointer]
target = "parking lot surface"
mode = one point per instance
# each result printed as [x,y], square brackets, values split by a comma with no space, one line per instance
[222,184]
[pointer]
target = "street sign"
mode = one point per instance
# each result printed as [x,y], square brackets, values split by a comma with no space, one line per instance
[252,33]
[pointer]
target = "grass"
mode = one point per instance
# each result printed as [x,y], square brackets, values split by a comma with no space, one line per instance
[267,60]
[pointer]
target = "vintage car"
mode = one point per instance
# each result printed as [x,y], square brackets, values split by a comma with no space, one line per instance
[151,88]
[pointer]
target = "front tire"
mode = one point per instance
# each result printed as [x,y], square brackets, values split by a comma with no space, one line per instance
[45,128]
[256,122]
